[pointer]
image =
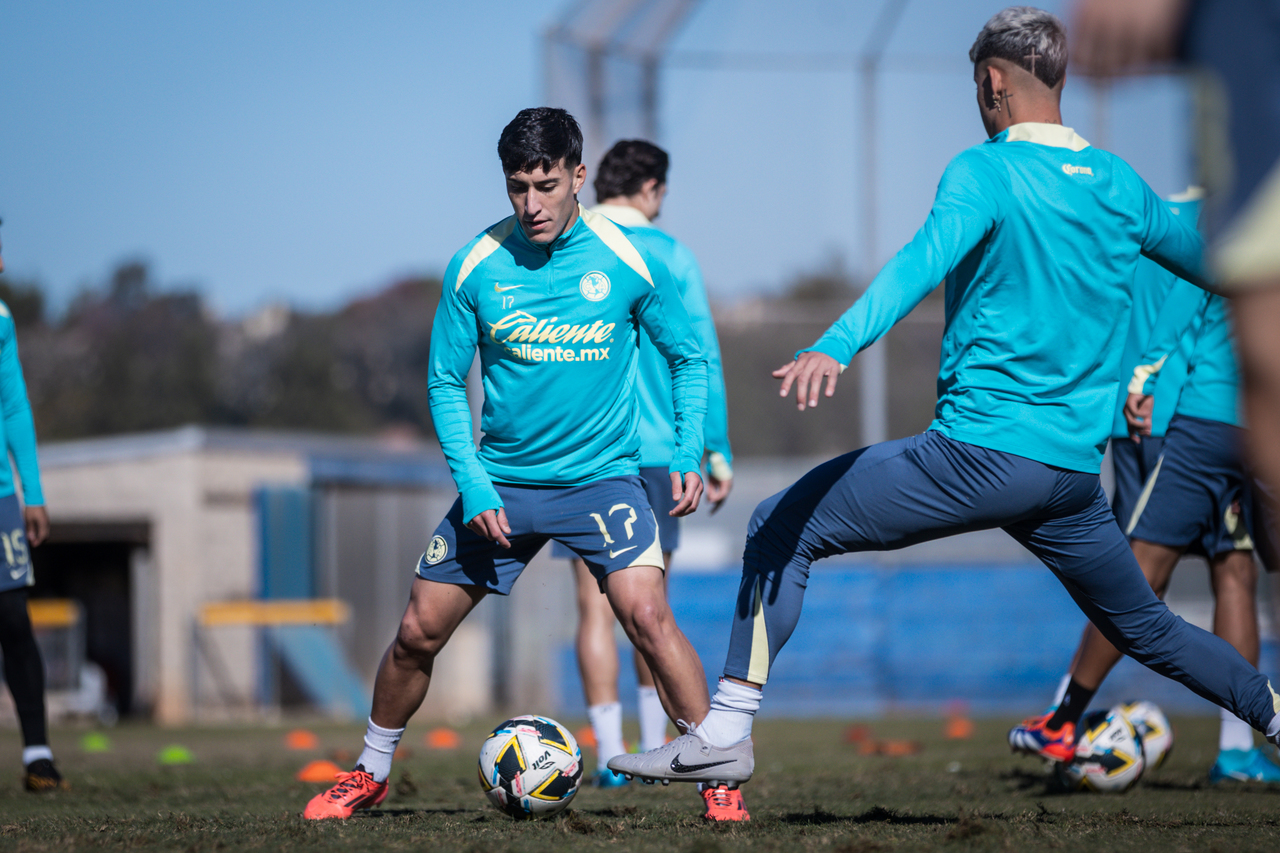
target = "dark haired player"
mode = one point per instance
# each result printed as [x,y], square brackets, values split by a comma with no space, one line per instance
[23,668]
[553,297]
[630,185]
[1037,236]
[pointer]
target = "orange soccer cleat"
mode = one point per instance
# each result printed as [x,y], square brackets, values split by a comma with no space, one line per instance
[1034,737]
[355,790]
[724,803]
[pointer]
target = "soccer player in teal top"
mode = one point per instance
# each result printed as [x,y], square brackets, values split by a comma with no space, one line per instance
[1196,499]
[553,298]
[20,527]
[1037,236]
[630,185]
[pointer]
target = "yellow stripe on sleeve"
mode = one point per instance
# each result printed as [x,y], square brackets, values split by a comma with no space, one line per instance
[612,236]
[489,243]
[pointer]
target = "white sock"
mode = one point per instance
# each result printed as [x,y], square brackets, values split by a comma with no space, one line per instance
[379,747]
[733,709]
[653,719]
[35,753]
[1234,733]
[606,722]
[1062,690]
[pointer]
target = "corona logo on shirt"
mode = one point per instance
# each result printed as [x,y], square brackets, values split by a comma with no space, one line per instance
[1068,169]
[519,330]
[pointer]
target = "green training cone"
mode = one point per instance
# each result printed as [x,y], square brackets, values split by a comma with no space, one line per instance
[175,754]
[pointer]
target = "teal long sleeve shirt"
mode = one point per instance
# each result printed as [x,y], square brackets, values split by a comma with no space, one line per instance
[1193,328]
[1037,236]
[19,428]
[657,415]
[1153,290]
[557,328]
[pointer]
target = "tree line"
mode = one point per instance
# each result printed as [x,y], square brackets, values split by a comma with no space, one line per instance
[132,356]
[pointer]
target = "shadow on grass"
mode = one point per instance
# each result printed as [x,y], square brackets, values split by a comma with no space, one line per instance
[402,812]
[818,817]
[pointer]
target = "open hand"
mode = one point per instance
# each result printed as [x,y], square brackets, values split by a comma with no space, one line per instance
[806,374]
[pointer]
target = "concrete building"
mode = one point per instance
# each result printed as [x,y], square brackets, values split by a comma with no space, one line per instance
[149,529]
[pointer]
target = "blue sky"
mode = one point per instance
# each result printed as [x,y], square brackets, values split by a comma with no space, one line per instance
[313,151]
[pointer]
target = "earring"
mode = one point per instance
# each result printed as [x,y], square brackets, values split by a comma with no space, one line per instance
[997,98]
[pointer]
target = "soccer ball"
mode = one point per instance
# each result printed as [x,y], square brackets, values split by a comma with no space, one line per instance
[1108,754]
[1153,727]
[530,767]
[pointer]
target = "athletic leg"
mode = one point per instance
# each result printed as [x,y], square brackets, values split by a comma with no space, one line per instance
[598,666]
[1088,553]
[1097,657]
[434,612]
[638,597]
[23,668]
[653,718]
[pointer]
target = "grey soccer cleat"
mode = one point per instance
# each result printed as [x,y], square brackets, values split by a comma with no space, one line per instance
[689,758]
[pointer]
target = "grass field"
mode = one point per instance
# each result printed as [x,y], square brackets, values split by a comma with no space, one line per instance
[812,792]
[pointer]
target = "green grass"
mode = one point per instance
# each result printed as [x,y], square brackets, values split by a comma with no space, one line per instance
[812,792]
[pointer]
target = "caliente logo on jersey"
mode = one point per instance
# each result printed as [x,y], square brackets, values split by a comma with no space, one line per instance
[594,286]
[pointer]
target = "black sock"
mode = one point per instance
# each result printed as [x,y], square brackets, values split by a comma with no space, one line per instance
[1073,705]
[23,668]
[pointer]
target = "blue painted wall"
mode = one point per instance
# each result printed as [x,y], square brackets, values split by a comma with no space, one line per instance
[874,641]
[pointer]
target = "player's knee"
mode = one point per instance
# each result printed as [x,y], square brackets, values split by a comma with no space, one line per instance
[647,621]
[416,640]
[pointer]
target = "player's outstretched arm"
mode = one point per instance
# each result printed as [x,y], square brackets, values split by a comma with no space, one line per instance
[806,374]
[686,495]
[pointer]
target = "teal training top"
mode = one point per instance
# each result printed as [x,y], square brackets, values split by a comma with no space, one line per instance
[1194,327]
[19,428]
[657,416]
[1151,289]
[557,328]
[1037,236]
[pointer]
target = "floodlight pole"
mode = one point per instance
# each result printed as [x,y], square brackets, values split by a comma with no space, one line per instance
[873,367]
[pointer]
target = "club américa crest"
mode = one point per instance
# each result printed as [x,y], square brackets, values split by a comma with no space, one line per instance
[436,550]
[594,286]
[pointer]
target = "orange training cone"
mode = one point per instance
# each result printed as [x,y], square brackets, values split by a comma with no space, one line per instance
[442,739]
[301,739]
[585,736]
[319,771]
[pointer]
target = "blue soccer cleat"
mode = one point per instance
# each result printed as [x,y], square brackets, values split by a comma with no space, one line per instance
[609,779]
[1244,765]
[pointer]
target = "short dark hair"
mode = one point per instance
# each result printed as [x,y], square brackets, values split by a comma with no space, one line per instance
[540,137]
[1030,38]
[627,165]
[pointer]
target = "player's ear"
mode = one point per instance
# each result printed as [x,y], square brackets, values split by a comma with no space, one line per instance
[579,177]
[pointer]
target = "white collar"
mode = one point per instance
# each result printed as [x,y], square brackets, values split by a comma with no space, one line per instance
[1042,133]
[623,214]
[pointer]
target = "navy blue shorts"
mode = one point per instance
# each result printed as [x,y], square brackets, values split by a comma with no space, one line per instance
[1195,497]
[657,486]
[15,559]
[607,523]
[1132,462]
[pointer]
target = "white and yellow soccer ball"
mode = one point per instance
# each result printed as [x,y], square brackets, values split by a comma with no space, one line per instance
[1153,727]
[1108,754]
[530,767]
